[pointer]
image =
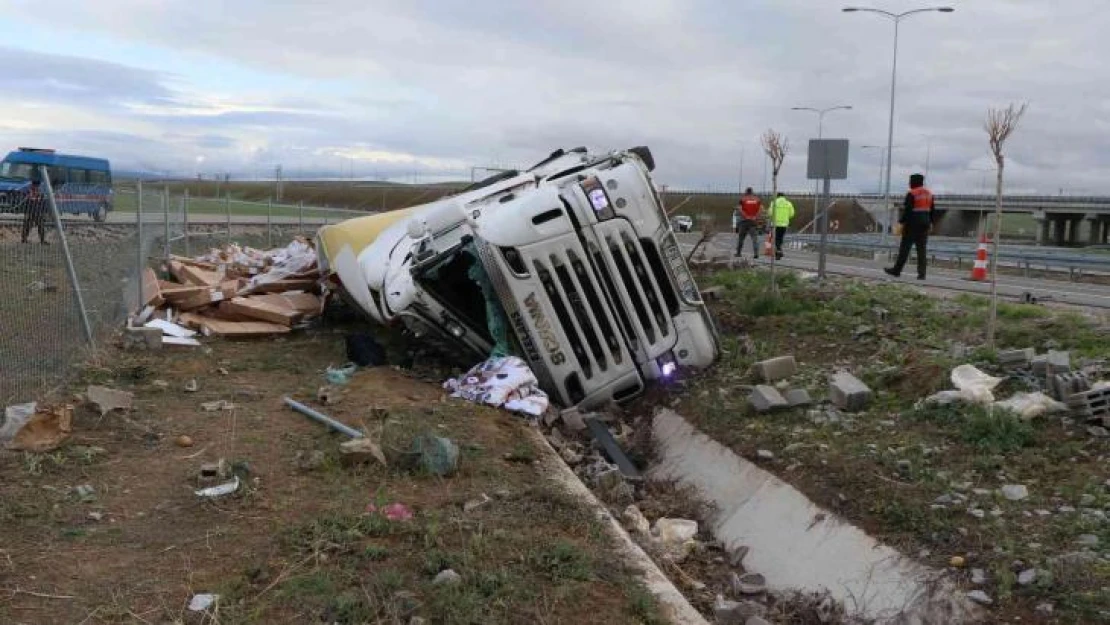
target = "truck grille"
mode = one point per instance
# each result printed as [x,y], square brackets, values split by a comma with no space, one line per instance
[581,311]
[580,288]
[639,294]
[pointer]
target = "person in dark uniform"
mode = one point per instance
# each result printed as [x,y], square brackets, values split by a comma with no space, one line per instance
[918,215]
[34,209]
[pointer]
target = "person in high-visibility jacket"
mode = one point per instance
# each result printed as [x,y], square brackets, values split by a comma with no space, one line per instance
[782,211]
[918,216]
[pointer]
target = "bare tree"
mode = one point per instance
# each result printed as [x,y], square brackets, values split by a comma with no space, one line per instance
[1000,124]
[775,146]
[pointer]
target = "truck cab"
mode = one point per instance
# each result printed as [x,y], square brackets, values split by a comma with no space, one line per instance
[571,265]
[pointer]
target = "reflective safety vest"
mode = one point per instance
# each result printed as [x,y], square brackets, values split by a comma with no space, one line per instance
[922,200]
[749,207]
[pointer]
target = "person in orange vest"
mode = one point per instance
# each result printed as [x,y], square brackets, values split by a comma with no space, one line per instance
[918,215]
[747,222]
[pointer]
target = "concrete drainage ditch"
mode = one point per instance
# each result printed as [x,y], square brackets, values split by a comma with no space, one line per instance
[796,545]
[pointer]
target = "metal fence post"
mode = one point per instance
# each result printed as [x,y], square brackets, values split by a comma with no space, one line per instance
[300,217]
[227,214]
[166,221]
[139,249]
[185,219]
[45,177]
[269,222]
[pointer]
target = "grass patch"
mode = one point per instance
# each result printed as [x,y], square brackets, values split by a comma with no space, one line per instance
[984,429]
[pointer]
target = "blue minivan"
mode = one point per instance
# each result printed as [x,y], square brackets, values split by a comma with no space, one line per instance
[82,185]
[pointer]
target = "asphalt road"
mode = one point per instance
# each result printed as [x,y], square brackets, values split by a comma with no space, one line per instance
[1012,288]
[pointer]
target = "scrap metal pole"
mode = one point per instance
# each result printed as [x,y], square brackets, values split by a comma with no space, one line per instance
[185,218]
[139,249]
[227,214]
[322,418]
[824,230]
[45,176]
[166,222]
[269,223]
[300,217]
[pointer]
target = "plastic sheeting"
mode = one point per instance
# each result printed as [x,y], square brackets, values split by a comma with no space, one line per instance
[1030,405]
[505,382]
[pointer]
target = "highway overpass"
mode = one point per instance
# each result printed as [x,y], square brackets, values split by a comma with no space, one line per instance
[1060,219]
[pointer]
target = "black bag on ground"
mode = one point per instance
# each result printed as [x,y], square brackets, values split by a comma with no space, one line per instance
[364,351]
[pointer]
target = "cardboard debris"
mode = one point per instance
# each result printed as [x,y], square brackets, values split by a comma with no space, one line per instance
[152,293]
[45,430]
[233,291]
[261,310]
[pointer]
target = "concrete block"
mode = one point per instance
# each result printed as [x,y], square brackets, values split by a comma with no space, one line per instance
[767,398]
[1016,357]
[1040,365]
[847,392]
[798,397]
[142,338]
[776,368]
[1058,362]
[1064,385]
[1092,404]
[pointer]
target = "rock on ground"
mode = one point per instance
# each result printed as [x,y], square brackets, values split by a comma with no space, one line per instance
[1015,492]
[980,597]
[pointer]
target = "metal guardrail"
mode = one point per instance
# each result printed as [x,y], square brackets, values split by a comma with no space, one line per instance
[1019,256]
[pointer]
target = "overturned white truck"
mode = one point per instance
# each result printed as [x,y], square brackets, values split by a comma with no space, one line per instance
[571,265]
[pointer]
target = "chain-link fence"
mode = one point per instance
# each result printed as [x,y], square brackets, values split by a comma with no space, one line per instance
[70,268]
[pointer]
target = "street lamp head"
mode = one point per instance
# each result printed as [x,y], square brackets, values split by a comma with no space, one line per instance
[850,9]
[946,9]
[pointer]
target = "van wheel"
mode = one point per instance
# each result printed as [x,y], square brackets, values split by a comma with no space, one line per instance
[101,213]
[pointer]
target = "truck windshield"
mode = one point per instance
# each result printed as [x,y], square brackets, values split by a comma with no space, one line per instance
[21,171]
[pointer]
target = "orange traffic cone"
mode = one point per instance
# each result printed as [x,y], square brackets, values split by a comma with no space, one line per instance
[979,271]
[769,244]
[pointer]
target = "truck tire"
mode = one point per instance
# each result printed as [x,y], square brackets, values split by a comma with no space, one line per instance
[100,214]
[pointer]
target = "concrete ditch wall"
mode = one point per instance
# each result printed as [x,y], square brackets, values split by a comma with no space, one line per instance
[796,544]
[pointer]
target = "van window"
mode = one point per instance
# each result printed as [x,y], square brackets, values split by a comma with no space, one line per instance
[98,177]
[78,176]
[21,171]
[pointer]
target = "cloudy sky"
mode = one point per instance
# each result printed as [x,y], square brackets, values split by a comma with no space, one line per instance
[430,88]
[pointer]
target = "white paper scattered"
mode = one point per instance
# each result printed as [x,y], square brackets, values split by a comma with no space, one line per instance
[219,491]
[202,601]
[170,329]
[174,340]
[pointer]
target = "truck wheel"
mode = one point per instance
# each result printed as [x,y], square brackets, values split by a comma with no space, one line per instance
[101,213]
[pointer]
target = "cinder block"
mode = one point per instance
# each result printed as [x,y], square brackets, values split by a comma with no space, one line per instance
[1058,362]
[142,338]
[847,392]
[1092,404]
[766,398]
[776,368]
[1018,357]
[798,397]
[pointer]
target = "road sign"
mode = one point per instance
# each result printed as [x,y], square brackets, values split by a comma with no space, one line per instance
[828,159]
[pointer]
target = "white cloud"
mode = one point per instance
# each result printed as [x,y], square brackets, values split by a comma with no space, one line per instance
[446,83]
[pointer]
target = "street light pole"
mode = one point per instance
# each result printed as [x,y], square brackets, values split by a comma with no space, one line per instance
[820,134]
[897,19]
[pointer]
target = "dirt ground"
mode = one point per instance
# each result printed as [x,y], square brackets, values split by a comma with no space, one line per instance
[296,544]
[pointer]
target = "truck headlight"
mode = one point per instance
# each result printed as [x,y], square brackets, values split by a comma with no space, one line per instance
[599,200]
[667,365]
